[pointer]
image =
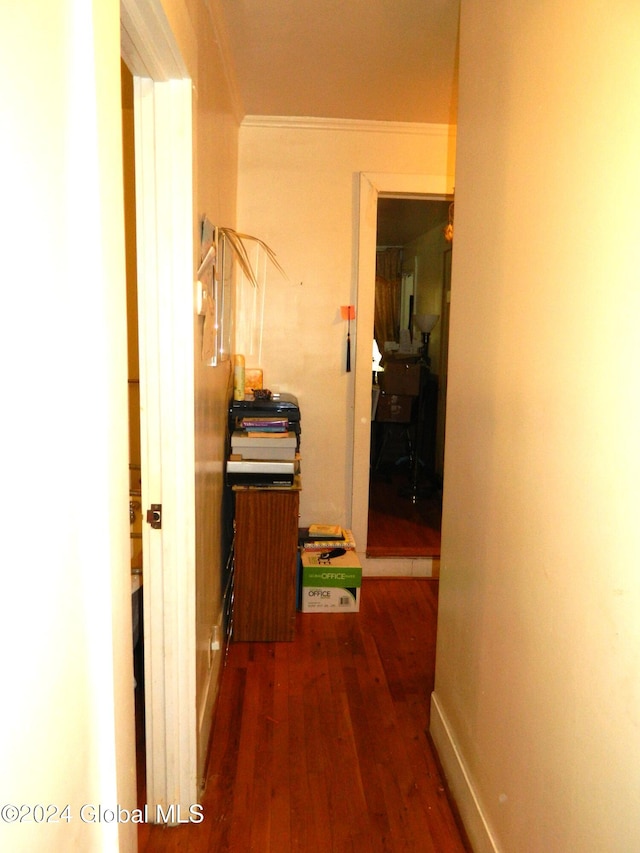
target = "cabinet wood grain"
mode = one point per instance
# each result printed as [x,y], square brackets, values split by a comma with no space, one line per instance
[266,543]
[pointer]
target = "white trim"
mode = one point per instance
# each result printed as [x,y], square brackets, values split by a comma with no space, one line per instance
[164,225]
[459,782]
[336,124]
[394,567]
[372,186]
[208,696]
[165,260]
[146,41]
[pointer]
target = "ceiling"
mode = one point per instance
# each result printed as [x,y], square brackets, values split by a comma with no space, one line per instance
[367,60]
[379,60]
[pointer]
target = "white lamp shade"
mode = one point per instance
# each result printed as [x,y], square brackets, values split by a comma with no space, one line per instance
[425,322]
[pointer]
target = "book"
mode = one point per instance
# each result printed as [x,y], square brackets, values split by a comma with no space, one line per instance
[271,435]
[275,452]
[266,424]
[250,438]
[325,531]
[260,472]
[348,543]
[276,446]
[295,486]
[261,481]
[253,466]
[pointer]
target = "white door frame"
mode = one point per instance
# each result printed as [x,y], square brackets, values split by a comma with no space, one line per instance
[164,226]
[372,186]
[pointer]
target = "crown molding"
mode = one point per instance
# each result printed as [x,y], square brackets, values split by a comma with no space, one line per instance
[352,125]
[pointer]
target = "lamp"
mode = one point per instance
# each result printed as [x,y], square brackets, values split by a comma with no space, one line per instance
[426,324]
[376,359]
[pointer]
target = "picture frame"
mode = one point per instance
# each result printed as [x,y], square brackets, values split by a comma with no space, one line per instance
[224,298]
[214,294]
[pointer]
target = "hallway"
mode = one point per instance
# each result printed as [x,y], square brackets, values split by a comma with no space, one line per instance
[399,527]
[321,744]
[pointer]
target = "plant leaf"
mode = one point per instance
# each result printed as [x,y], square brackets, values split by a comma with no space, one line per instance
[270,253]
[236,241]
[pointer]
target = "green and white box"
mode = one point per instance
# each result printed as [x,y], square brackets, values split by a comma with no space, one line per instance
[330,583]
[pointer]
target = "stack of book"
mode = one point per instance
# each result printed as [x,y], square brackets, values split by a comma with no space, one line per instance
[265,424]
[326,537]
[263,453]
[330,572]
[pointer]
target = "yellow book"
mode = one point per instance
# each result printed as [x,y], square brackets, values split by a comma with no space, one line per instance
[308,543]
[326,531]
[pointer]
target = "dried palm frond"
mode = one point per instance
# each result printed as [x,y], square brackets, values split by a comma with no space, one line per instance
[236,241]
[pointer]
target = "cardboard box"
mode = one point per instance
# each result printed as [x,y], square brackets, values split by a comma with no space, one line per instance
[330,584]
[277,446]
[394,408]
[400,378]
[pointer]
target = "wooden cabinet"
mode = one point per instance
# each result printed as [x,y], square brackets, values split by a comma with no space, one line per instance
[266,547]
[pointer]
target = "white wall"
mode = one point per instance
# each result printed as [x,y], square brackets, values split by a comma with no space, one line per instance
[538,636]
[67,719]
[298,191]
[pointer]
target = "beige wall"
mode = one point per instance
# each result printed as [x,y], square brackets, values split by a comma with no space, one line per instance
[537,682]
[215,135]
[298,191]
[67,733]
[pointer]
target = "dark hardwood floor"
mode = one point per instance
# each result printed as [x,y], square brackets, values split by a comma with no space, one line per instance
[399,526]
[321,744]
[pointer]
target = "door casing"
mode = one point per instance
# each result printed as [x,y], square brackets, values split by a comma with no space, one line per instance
[372,186]
[164,228]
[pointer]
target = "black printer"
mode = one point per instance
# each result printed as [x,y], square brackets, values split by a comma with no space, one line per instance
[278,406]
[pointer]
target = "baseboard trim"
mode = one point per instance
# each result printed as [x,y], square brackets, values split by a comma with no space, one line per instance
[207,708]
[459,782]
[416,567]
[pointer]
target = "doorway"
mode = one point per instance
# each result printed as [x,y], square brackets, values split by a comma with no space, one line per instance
[405,497]
[372,186]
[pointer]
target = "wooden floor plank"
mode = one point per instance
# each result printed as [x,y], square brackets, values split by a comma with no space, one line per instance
[322,744]
[397,525]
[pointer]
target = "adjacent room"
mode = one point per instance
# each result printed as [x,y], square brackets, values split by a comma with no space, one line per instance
[412,297]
